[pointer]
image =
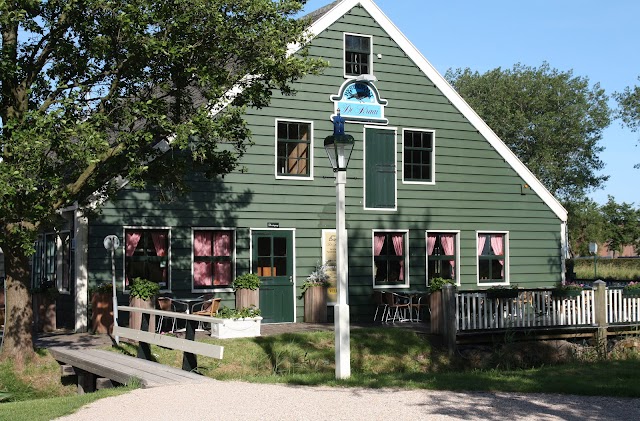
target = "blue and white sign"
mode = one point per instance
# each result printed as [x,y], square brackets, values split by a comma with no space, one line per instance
[359,102]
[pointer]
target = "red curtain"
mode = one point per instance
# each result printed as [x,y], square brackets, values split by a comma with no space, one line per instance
[202,247]
[497,245]
[132,238]
[398,246]
[222,247]
[447,245]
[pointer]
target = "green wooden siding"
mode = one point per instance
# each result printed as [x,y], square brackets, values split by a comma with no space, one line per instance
[475,189]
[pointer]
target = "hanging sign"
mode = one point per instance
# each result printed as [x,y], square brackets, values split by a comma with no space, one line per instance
[359,102]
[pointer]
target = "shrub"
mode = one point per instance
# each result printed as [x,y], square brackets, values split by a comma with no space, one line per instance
[247,281]
[436,284]
[317,278]
[143,288]
[232,313]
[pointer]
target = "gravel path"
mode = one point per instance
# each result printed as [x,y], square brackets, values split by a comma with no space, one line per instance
[246,401]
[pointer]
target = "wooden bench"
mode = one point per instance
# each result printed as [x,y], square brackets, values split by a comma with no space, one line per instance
[187,344]
[98,369]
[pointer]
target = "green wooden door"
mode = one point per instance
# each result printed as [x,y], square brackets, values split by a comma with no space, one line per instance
[380,170]
[273,263]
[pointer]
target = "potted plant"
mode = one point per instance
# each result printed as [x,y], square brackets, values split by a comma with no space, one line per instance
[247,290]
[44,306]
[435,303]
[102,308]
[237,323]
[314,290]
[567,291]
[503,291]
[142,293]
[632,290]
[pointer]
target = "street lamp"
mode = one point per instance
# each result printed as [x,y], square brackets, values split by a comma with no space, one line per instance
[339,147]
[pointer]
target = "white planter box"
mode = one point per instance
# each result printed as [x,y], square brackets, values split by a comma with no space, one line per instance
[236,328]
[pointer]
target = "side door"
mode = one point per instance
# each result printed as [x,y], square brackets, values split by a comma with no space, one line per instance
[272,261]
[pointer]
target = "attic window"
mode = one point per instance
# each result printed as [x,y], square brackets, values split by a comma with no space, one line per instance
[357,55]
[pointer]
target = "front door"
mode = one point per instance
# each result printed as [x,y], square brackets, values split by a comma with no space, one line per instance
[272,261]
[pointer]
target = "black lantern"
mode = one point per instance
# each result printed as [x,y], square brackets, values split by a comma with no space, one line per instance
[339,146]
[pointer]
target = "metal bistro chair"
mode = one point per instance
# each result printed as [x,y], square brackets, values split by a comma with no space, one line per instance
[399,304]
[378,301]
[168,304]
[209,307]
[418,303]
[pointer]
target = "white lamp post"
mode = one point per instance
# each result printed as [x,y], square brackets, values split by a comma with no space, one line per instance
[339,148]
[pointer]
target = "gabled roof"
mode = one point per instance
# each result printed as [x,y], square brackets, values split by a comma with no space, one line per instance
[324,17]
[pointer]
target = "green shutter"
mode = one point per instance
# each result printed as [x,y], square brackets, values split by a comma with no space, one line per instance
[380,171]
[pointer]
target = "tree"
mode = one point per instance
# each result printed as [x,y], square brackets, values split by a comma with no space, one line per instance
[629,108]
[586,224]
[550,119]
[90,89]
[622,225]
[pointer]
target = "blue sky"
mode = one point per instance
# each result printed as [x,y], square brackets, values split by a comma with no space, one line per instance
[596,39]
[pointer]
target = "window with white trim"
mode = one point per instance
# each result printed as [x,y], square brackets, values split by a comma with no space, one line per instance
[357,55]
[442,255]
[493,258]
[294,148]
[213,252]
[147,255]
[390,258]
[418,155]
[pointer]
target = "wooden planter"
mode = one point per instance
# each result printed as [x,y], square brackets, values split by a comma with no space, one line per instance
[135,319]
[246,298]
[437,312]
[44,312]
[236,328]
[102,313]
[566,293]
[503,293]
[315,305]
[634,293]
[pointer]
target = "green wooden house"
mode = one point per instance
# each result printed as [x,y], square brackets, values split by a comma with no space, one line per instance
[431,192]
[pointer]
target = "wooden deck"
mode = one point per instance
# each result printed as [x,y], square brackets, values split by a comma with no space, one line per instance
[123,368]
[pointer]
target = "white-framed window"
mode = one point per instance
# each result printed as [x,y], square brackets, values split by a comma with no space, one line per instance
[147,255]
[418,156]
[358,55]
[492,257]
[390,258]
[294,149]
[443,255]
[213,259]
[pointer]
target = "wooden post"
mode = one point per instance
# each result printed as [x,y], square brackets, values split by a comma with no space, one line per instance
[86,381]
[449,317]
[600,305]
[189,360]
[144,349]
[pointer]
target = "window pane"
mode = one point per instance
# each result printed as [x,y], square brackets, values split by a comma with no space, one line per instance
[293,148]
[418,155]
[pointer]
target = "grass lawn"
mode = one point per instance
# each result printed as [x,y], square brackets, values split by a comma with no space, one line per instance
[380,357]
[398,358]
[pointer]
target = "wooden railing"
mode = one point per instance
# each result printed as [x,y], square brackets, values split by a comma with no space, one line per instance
[539,308]
[531,308]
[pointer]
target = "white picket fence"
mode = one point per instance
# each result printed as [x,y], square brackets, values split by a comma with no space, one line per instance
[533,308]
[622,309]
[538,308]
